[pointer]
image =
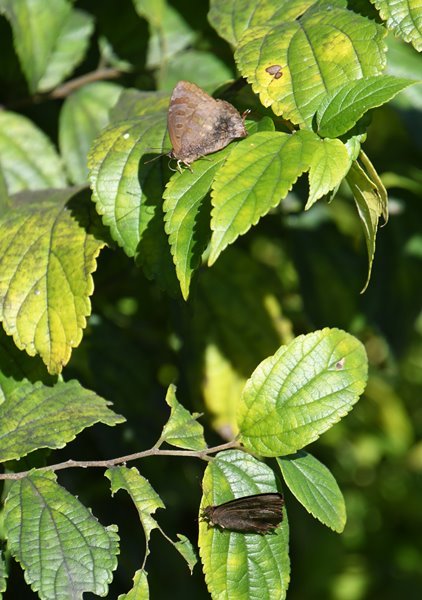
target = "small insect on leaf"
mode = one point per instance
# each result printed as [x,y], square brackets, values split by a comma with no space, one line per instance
[259,513]
[275,71]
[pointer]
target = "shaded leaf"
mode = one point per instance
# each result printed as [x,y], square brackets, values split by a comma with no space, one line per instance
[83,115]
[49,43]
[301,391]
[203,68]
[341,109]
[226,297]
[168,37]
[47,257]
[78,553]
[242,565]
[136,103]
[182,429]
[17,368]
[370,198]
[315,488]
[37,416]
[3,573]
[28,159]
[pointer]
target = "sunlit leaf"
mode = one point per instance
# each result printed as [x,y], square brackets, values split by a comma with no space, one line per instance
[301,391]
[78,553]
[231,18]
[341,109]
[182,429]
[404,18]
[143,495]
[315,487]
[326,47]
[185,549]
[48,253]
[257,175]
[140,589]
[242,565]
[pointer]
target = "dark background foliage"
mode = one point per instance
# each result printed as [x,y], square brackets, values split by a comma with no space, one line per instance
[138,340]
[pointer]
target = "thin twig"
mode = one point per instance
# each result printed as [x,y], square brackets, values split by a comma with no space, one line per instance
[106,464]
[62,91]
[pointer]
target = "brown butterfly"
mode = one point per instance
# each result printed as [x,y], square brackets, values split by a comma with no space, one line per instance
[259,513]
[199,125]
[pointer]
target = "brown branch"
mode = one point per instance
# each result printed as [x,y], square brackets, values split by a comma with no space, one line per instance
[67,88]
[70,86]
[106,464]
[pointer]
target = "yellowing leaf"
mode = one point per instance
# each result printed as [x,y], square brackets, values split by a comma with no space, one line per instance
[47,257]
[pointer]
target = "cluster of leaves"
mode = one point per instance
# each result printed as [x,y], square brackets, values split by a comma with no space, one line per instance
[329,63]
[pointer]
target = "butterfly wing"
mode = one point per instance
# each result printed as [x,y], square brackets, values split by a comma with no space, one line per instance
[198,124]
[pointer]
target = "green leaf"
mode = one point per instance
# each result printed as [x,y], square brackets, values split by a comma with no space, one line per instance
[329,165]
[37,416]
[182,429]
[127,192]
[3,574]
[186,209]
[146,500]
[168,37]
[317,52]
[28,158]
[49,43]
[123,185]
[301,391]
[202,68]
[17,368]
[341,109]
[83,116]
[151,10]
[140,590]
[371,202]
[231,18]
[185,548]
[404,18]
[242,565]
[134,103]
[47,256]
[315,487]
[259,172]
[78,553]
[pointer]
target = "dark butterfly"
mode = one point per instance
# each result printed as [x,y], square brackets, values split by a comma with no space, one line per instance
[259,513]
[199,125]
